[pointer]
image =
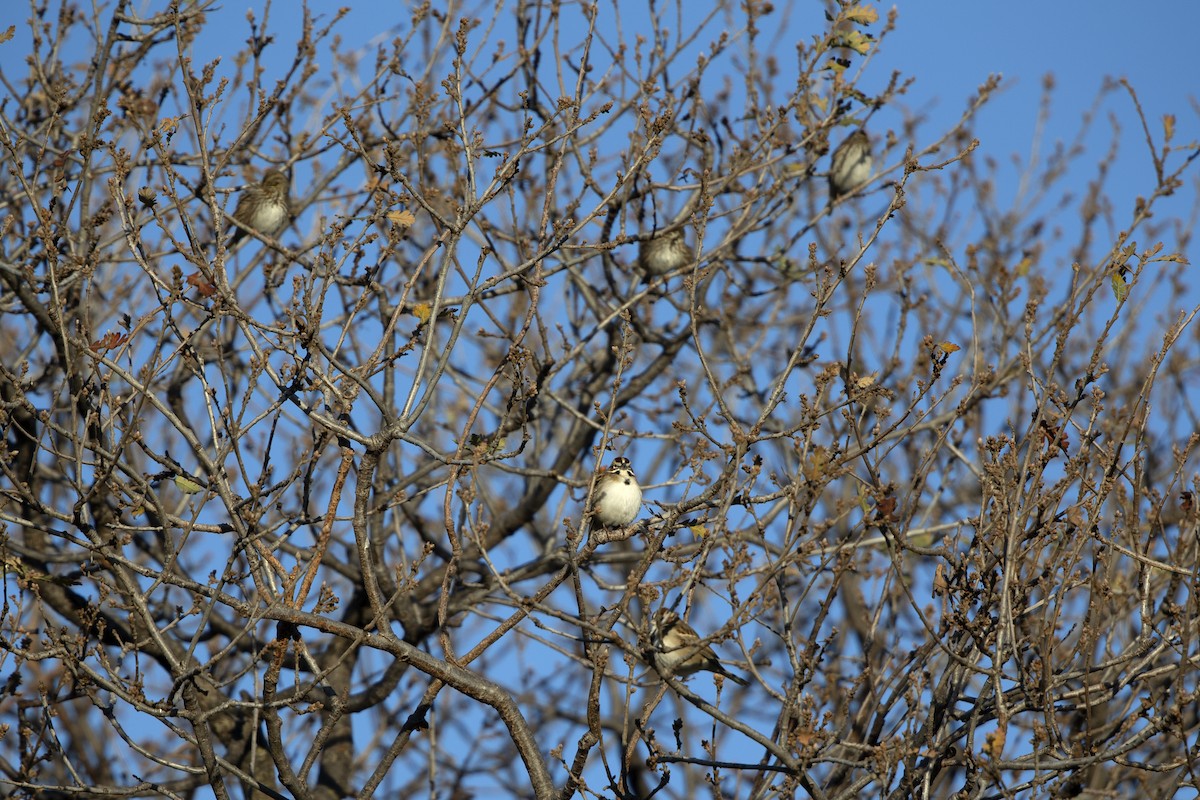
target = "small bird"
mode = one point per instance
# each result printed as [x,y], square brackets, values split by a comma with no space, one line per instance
[851,165]
[263,206]
[680,650]
[664,254]
[617,498]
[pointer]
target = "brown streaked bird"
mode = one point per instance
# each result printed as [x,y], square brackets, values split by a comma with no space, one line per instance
[617,498]
[680,651]
[665,253]
[262,206]
[851,165]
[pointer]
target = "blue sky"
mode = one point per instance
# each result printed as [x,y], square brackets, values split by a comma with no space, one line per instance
[951,47]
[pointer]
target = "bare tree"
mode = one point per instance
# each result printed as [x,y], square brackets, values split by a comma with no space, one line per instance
[307,509]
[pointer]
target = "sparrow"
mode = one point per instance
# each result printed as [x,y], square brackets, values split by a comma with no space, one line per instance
[263,206]
[680,650]
[664,254]
[617,498]
[851,165]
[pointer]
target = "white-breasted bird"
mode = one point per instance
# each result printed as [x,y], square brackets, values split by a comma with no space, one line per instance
[680,651]
[617,498]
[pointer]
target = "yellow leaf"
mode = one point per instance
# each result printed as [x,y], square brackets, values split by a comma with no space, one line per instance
[401,218]
[1119,287]
[698,531]
[1168,126]
[186,485]
[948,347]
[8,34]
[422,312]
[922,539]
[862,14]
[858,42]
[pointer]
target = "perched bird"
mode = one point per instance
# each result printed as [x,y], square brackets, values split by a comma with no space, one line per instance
[617,498]
[680,650]
[851,165]
[263,207]
[665,253]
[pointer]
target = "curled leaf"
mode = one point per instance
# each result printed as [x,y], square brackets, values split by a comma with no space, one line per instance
[109,341]
[1119,286]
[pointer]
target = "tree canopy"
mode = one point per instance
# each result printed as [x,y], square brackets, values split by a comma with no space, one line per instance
[307,512]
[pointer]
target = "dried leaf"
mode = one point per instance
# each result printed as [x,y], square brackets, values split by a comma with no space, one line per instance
[993,746]
[168,124]
[862,14]
[205,288]
[109,341]
[401,219]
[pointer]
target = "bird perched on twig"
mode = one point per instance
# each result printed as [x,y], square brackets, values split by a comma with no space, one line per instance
[851,165]
[263,207]
[617,498]
[680,650]
[665,253]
